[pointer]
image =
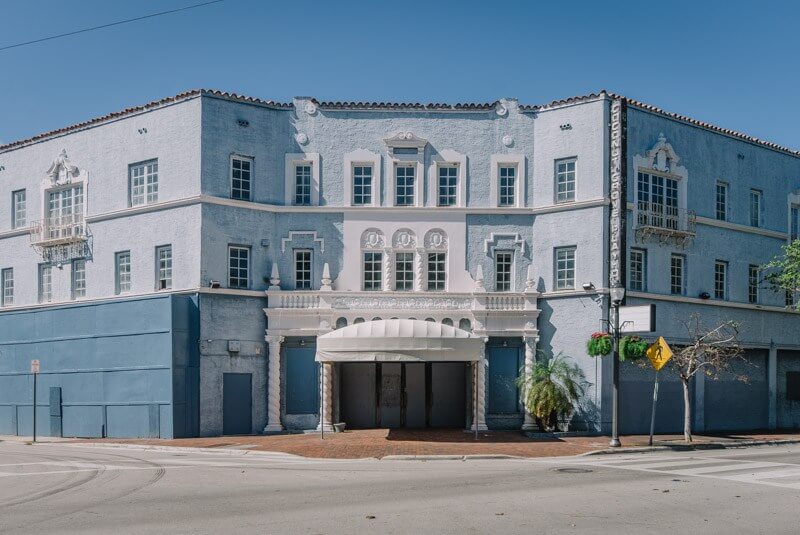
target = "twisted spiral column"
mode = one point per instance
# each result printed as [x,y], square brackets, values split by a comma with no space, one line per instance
[274,385]
[388,269]
[529,422]
[479,391]
[419,270]
[326,416]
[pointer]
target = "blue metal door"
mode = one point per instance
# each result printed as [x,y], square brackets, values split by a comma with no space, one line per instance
[237,404]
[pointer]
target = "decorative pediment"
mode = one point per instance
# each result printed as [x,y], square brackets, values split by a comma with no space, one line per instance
[436,239]
[310,233]
[373,238]
[404,239]
[662,156]
[62,171]
[405,140]
[490,243]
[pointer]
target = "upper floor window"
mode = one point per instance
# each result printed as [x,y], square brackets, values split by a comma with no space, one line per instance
[143,181]
[752,284]
[657,200]
[18,209]
[404,185]
[302,269]
[78,278]
[362,185]
[638,275]
[794,225]
[404,271]
[122,264]
[755,207]
[503,266]
[45,283]
[373,269]
[164,267]
[238,266]
[722,202]
[677,275]
[241,173]
[448,185]
[565,180]
[7,282]
[565,268]
[64,206]
[302,184]
[507,185]
[437,272]
[720,279]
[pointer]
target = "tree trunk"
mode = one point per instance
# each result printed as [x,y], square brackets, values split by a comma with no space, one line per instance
[687,412]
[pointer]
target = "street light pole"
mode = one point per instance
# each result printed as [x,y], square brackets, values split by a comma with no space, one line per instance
[617,295]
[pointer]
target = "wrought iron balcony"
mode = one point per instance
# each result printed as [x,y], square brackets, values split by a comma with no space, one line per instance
[59,230]
[666,224]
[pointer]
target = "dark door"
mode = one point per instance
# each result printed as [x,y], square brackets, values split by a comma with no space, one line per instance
[391,394]
[237,404]
[415,398]
[448,394]
[358,395]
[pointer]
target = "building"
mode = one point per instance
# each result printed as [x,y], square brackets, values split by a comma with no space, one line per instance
[211,263]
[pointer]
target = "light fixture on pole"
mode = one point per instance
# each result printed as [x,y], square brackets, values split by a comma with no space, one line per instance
[617,294]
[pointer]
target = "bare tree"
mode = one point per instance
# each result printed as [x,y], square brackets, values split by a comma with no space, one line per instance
[710,352]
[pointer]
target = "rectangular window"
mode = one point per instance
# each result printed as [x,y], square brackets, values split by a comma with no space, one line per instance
[373,269]
[403,272]
[404,185]
[565,268]
[164,267]
[503,264]
[565,180]
[18,209]
[302,185]
[122,263]
[238,266]
[302,269]
[508,185]
[794,225]
[752,284]
[437,272]
[362,185]
[720,279]
[7,276]
[241,172]
[448,183]
[638,279]
[677,275]
[755,208]
[78,279]
[65,212]
[143,179]
[657,201]
[722,201]
[45,283]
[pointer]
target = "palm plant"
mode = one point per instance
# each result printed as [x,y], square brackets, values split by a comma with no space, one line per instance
[551,389]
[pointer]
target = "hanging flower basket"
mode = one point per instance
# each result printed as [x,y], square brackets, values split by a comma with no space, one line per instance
[599,345]
[632,348]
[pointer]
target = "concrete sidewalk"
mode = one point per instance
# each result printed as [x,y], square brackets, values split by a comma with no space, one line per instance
[380,443]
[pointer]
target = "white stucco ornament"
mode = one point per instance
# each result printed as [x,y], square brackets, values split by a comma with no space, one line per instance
[301,138]
[479,287]
[311,108]
[436,239]
[62,169]
[326,278]
[274,278]
[404,239]
[372,238]
[508,140]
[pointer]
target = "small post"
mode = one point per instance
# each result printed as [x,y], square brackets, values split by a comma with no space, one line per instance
[35,373]
[653,413]
[322,400]
[475,397]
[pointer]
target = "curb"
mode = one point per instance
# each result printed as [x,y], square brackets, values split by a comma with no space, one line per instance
[476,457]
[691,447]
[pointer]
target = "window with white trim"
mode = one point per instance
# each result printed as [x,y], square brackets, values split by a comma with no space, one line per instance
[638,274]
[241,175]
[755,207]
[503,269]
[657,200]
[794,224]
[238,266]
[7,276]
[164,267]
[448,185]
[720,279]
[565,268]
[565,180]
[302,184]
[721,211]
[507,184]
[404,183]
[403,271]
[362,185]
[65,211]
[677,274]
[122,276]
[437,272]
[752,284]
[373,270]
[78,278]
[143,183]
[45,283]
[18,209]
[302,269]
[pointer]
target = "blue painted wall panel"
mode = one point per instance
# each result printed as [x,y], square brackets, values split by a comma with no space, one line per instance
[302,385]
[502,393]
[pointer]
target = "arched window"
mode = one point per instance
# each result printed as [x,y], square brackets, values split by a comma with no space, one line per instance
[341,322]
[376,319]
[358,320]
[447,321]
[465,324]
[430,319]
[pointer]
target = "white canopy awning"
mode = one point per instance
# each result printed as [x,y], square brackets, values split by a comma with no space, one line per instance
[398,340]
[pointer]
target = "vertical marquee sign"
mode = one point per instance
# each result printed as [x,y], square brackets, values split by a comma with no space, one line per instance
[619,199]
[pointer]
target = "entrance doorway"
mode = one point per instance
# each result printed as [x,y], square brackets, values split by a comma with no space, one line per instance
[403,394]
[237,403]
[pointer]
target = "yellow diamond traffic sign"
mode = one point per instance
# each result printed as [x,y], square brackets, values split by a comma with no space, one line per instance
[659,353]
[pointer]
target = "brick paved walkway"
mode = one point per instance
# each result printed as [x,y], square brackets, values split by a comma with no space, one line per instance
[382,442]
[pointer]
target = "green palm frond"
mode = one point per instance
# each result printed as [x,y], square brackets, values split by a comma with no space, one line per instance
[553,385]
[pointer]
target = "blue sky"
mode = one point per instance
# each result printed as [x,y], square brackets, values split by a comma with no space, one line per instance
[734,64]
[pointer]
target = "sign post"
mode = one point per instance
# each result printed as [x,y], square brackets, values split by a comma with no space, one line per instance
[35,373]
[658,354]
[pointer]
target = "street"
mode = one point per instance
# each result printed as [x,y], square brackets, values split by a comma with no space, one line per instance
[65,488]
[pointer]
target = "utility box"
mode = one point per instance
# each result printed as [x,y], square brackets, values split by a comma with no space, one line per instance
[234,346]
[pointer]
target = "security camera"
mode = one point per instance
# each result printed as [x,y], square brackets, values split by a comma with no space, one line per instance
[588,286]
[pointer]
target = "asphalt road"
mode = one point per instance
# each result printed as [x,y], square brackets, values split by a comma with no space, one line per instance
[59,488]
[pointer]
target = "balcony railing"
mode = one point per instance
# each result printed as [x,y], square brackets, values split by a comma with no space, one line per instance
[665,223]
[58,230]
